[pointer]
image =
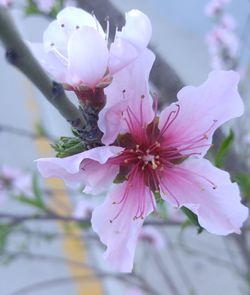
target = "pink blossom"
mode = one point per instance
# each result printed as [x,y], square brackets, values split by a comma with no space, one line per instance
[76,50]
[152,153]
[14,181]
[228,22]
[5,2]
[152,236]
[213,8]
[45,5]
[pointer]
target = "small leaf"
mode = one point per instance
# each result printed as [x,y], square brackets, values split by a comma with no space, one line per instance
[68,146]
[193,219]
[40,130]
[5,230]
[36,189]
[243,180]
[223,149]
[37,203]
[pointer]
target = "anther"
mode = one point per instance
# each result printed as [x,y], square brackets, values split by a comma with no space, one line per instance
[52,44]
[110,221]
[77,27]
[154,165]
[126,161]
[62,25]
[143,96]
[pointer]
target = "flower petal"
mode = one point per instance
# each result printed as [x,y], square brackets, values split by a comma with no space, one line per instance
[89,167]
[208,192]
[201,111]
[55,37]
[120,235]
[122,53]
[134,80]
[137,30]
[131,41]
[72,18]
[88,56]
[51,62]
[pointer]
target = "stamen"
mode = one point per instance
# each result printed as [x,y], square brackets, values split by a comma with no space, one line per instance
[107,29]
[61,57]
[186,171]
[96,21]
[170,120]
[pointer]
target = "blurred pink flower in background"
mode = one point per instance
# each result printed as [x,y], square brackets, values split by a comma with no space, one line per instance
[152,236]
[157,154]
[222,42]
[63,55]
[13,181]
[213,8]
[6,2]
[45,5]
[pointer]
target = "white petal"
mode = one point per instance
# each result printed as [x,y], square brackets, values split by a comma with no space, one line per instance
[88,56]
[72,18]
[137,30]
[55,37]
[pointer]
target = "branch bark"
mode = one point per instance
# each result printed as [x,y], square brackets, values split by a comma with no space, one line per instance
[18,54]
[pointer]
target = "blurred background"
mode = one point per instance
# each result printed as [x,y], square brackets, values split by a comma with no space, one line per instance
[53,257]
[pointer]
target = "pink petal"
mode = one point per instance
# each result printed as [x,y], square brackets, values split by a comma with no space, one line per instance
[122,52]
[208,192]
[88,56]
[120,236]
[72,18]
[153,236]
[111,121]
[137,30]
[134,80]
[131,41]
[86,167]
[202,110]
[53,64]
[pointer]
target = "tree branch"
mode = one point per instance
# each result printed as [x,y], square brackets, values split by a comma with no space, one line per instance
[18,54]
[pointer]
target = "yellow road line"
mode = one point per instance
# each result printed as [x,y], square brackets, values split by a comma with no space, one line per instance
[74,248]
